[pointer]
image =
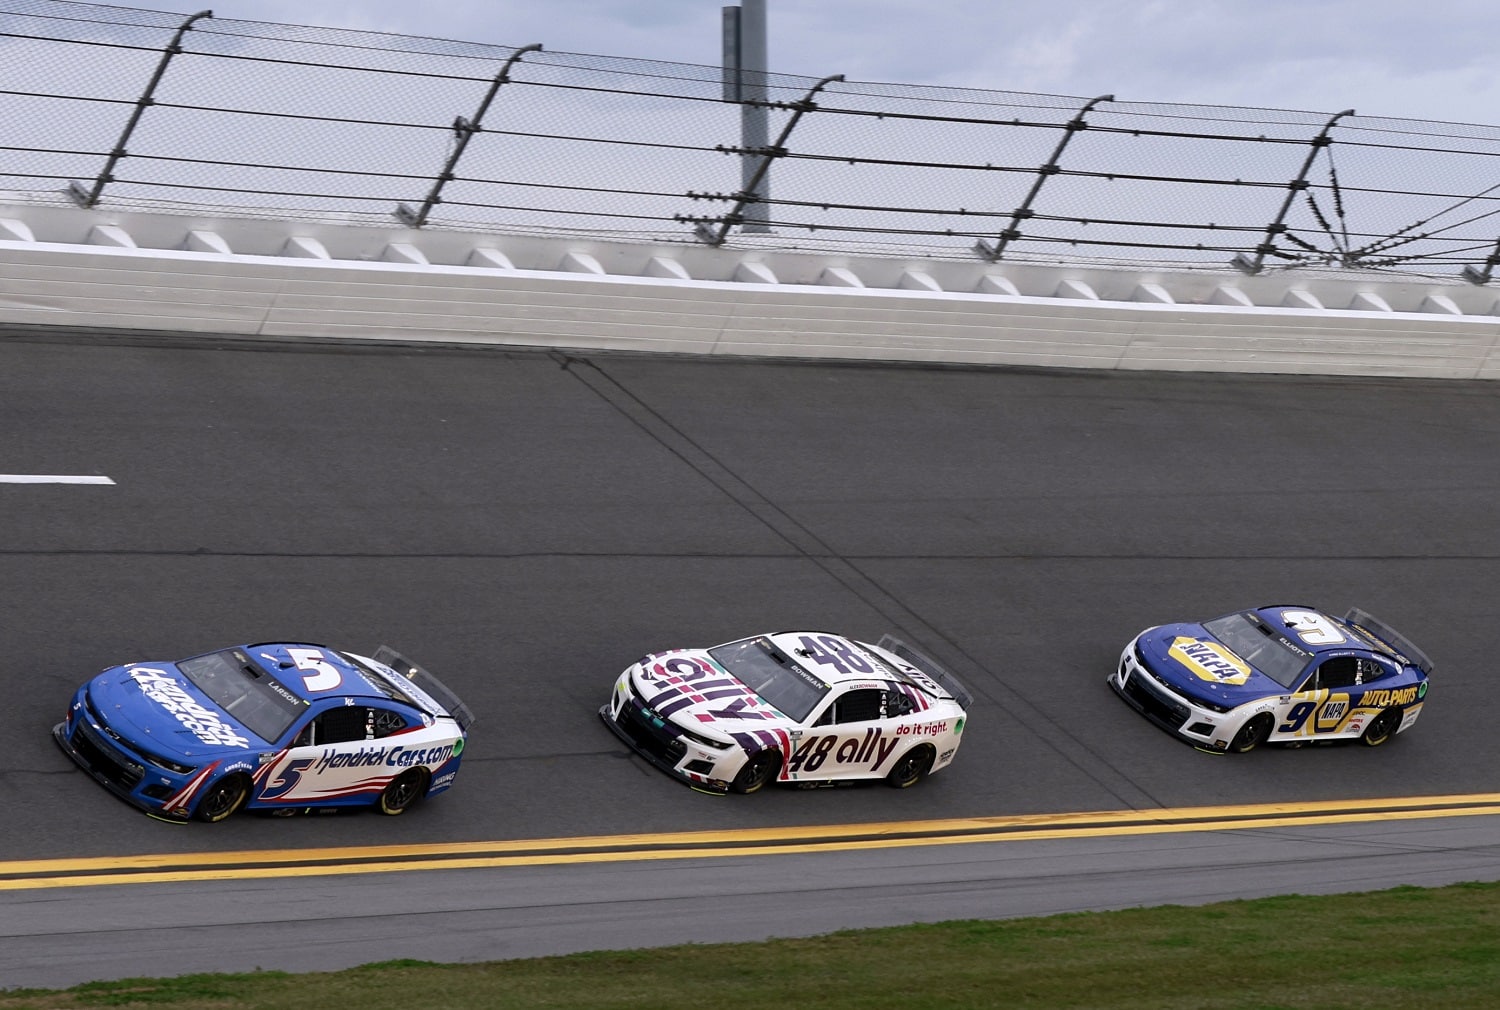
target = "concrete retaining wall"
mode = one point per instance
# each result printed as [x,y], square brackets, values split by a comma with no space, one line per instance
[62,266]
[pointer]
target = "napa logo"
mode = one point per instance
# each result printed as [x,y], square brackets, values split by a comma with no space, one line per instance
[1209,661]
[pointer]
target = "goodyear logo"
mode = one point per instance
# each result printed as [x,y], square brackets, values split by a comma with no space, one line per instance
[1209,661]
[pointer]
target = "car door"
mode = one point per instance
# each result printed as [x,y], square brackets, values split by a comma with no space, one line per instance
[336,756]
[852,737]
[1321,708]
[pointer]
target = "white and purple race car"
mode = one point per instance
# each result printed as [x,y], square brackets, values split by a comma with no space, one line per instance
[284,727]
[799,707]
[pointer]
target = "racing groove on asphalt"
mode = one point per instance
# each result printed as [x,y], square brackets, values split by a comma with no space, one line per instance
[526,524]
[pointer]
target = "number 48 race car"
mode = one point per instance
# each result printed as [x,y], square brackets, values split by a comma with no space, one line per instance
[1283,674]
[280,727]
[801,707]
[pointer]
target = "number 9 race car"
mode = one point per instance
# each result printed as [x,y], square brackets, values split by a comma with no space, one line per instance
[280,727]
[1283,674]
[802,707]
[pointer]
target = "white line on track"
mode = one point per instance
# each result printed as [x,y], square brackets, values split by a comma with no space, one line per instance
[39,478]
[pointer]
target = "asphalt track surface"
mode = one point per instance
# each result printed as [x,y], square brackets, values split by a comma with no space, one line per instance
[526,524]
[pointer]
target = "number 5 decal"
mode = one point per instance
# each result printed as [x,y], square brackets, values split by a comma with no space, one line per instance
[324,676]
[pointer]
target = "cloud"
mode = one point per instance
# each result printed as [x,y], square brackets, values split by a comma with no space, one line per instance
[1382,57]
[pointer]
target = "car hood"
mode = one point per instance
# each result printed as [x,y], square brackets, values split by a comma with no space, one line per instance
[1199,665]
[155,707]
[689,688]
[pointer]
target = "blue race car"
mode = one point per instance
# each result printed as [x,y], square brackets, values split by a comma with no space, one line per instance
[1279,674]
[285,727]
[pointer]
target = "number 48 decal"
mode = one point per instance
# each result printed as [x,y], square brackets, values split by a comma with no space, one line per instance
[827,650]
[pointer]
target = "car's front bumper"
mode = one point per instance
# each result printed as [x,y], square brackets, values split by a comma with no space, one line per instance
[665,746]
[84,738]
[110,767]
[1174,712]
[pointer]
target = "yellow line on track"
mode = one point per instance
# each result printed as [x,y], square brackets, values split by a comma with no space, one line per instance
[277,863]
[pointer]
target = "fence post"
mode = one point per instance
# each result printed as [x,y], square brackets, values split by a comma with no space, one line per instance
[87,198]
[747,195]
[995,251]
[464,129]
[1252,264]
[1481,276]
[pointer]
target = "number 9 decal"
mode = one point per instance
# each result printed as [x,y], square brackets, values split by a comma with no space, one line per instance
[1314,629]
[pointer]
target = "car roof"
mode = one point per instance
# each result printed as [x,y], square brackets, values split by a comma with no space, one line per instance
[1351,640]
[791,642]
[303,668]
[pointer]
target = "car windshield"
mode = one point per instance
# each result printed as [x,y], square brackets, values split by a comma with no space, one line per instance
[1259,646]
[774,676]
[241,687]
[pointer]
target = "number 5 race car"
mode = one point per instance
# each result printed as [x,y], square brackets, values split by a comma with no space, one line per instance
[1283,674]
[280,727]
[803,707]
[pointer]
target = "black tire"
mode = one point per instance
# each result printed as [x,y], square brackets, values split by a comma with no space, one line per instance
[223,798]
[402,792]
[911,767]
[1252,734]
[762,768]
[1381,728]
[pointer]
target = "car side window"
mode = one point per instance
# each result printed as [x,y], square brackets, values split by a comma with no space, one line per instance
[1341,671]
[385,721]
[898,703]
[861,705]
[337,725]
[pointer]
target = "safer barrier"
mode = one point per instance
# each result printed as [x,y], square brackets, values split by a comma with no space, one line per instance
[290,280]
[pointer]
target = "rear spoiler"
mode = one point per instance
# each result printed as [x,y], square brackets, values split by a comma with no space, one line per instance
[944,679]
[1378,629]
[428,683]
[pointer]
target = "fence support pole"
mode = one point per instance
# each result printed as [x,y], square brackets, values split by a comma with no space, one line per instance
[1481,275]
[464,129]
[746,196]
[1252,264]
[88,197]
[993,252]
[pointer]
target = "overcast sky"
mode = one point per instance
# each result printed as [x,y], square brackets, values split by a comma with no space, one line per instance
[1401,58]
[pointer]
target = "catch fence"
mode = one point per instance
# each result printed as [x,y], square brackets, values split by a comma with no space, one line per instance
[138,109]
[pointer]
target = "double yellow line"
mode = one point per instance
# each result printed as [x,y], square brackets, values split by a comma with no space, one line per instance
[28,874]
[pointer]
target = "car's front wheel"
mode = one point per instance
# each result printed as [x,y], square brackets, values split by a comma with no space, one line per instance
[760,769]
[1252,734]
[911,766]
[402,791]
[1381,728]
[223,798]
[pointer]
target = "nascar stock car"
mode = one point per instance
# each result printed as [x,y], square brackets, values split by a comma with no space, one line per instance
[1278,674]
[801,707]
[285,727]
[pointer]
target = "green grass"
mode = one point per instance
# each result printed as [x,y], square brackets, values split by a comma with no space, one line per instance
[1407,947]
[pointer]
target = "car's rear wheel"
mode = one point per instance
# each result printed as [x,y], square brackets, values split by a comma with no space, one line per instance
[223,798]
[760,769]
[911,767]
[1252,734]
[402,791]
[1381,728]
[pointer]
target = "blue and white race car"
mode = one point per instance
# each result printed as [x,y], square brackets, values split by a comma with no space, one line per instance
[285,727]
[1280,674]
[800,707]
